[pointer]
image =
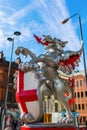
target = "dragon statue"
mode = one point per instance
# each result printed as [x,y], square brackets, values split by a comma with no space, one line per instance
[46,72]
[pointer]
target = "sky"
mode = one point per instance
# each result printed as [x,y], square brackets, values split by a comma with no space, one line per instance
[41,17]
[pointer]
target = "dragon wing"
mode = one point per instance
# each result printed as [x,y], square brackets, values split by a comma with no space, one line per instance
[69,60]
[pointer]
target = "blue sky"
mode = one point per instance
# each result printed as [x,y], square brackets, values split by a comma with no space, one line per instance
[41,17]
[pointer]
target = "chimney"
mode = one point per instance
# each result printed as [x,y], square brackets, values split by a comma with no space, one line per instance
[18,60]
[1,55]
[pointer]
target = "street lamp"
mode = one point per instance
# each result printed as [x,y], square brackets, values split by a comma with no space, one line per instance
[81,38]
[11,39]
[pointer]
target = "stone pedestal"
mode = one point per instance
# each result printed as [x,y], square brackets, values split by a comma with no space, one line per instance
[50,126]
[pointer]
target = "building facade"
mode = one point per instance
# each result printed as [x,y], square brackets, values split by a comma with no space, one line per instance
[80,95]
[4,66]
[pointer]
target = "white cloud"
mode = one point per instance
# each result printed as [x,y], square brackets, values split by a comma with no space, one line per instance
[49,16]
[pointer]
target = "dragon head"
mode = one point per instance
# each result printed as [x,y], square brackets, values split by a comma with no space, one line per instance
[53,43]
[50,43]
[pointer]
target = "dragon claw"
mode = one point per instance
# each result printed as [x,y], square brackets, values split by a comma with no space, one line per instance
[65,120]
[27,118]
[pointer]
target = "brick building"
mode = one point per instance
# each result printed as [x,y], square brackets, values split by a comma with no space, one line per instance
[80,94]
[4,65]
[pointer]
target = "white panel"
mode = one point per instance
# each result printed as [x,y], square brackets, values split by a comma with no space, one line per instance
[56,116]
[30,81]
[33,108]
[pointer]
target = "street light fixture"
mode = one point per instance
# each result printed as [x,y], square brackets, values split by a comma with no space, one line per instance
[11,39]
[81,38]
[17,33]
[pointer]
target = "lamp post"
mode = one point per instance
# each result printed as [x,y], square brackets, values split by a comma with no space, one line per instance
[11,39]
[81,38]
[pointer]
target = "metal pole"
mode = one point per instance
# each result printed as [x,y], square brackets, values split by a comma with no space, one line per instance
[5,105]
[81,36]
[7,85]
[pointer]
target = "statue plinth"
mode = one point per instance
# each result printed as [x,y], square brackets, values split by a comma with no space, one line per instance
[50,126]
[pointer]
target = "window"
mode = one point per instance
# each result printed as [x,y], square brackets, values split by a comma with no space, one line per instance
[78,94]
[82,106]
[82,94]
[75,106]
[77,83]
[11,78]
[79,107]
[86,93]
[80,82]
[84,118]
[1,77]
[74,95]
[14,97]
[9,97]
[80,119]
[56,107]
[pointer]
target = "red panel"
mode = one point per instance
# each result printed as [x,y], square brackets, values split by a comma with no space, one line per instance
[23,96]
[64,128]
[20,81]
[29,95]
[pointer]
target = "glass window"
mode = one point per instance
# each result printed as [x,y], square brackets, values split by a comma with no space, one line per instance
[1,77]
[80,119]
[9,97]
[84,118]
[82,106]
[74,95]
[82,94]
[14,97]
[77,83]
[56,107]
[79,107]
[86,93]
[11,78]
[78,94]
[80,82]
[75,106]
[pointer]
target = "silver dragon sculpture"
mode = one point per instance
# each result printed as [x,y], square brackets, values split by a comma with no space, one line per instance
[48,68]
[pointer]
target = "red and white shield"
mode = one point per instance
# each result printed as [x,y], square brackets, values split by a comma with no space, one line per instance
[27,93]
